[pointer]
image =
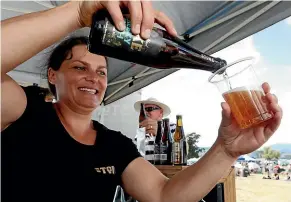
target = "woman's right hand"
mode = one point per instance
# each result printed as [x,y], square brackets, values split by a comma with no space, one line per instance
[142,15]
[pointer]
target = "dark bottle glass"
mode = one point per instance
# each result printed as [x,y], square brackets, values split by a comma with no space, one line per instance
[160,132]
[166,144]
[161,50]
[142,114]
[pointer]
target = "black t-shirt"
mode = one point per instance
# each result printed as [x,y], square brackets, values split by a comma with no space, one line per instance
[42,162]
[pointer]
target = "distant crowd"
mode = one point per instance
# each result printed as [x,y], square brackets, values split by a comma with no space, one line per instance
[270,170]
[275,171]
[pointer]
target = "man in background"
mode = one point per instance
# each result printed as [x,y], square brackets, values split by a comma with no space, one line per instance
[155,111]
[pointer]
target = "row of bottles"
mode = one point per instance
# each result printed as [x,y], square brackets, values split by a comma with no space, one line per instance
[167,148]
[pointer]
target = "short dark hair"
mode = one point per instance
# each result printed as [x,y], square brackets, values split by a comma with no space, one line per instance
[61,52]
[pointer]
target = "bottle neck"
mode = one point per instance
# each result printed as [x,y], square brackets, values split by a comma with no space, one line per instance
[142,115]
[159,132]
[167,128]
[179,129]
[179,122]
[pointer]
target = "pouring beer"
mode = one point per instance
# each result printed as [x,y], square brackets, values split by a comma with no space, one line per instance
[240,88]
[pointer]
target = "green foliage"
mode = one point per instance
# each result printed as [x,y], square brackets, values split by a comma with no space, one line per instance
[269,153]
[193,149]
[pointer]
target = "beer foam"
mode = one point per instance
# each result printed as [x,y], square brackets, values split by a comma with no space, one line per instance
[237,89]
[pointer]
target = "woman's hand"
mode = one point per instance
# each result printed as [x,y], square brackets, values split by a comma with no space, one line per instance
[142,15]
[236,141]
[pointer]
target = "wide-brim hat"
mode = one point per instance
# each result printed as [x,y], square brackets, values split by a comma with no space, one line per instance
[154,101]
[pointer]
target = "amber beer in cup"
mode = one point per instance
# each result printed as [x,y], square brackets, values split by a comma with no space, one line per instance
[247,106]
[240,88]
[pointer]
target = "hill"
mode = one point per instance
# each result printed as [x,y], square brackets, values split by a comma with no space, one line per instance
[283,148]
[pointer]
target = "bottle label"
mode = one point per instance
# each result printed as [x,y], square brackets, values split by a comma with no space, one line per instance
[163,157]
[157,152]
[126,40]
[177,153]
[149,147]
[163,148]
[157,157]
[149,157]
[164,153]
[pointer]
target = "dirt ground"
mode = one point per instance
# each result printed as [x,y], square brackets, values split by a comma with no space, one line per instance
[255,189]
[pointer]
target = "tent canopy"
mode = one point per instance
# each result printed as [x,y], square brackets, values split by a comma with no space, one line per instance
[207,25]
[246,158]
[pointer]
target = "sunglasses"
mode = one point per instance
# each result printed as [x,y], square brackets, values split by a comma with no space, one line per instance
[150,109]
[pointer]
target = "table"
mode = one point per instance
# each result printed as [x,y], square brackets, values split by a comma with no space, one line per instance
[228,179]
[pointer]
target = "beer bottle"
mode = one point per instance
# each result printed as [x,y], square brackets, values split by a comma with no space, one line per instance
[142,114]
[180,149]
[166,144]
[160,132]
[161,50]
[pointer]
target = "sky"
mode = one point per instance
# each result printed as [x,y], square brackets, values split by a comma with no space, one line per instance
[189,93]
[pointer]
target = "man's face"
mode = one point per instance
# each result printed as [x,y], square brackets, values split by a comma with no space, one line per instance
[154,112]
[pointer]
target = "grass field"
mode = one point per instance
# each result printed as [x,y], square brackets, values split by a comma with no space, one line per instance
[255,189]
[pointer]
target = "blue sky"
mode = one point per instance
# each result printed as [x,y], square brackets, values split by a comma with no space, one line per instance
[274,43]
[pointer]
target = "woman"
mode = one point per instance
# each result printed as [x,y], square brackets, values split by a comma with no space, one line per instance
[55,152]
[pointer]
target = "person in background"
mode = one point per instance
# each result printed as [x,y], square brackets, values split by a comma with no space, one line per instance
[155,111]
[172,127]
[56,152]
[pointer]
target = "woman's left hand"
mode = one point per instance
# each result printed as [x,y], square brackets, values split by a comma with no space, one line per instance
[236,141]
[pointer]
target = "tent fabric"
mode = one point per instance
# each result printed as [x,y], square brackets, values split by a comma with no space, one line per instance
[207,25]
[246,158]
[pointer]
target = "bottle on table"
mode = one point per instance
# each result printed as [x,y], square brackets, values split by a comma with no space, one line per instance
[166,144]
[158,137]
[179,145]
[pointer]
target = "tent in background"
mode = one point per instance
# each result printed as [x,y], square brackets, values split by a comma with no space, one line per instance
[246,158]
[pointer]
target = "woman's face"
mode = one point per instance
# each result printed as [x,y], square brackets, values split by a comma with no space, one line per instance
[81,81]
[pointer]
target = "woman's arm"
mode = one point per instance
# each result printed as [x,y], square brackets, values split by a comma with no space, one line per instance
[146,183]
[26,35]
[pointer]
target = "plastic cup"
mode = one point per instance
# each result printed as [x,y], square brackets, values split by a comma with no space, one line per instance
[240,88]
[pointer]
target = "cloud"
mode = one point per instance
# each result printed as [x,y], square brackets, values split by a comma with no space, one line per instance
[288,21]
[188,92]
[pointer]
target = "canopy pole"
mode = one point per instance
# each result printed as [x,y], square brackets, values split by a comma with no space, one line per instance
[123,86]
[225,7]
[244,23]
[16,10]
[222,20]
